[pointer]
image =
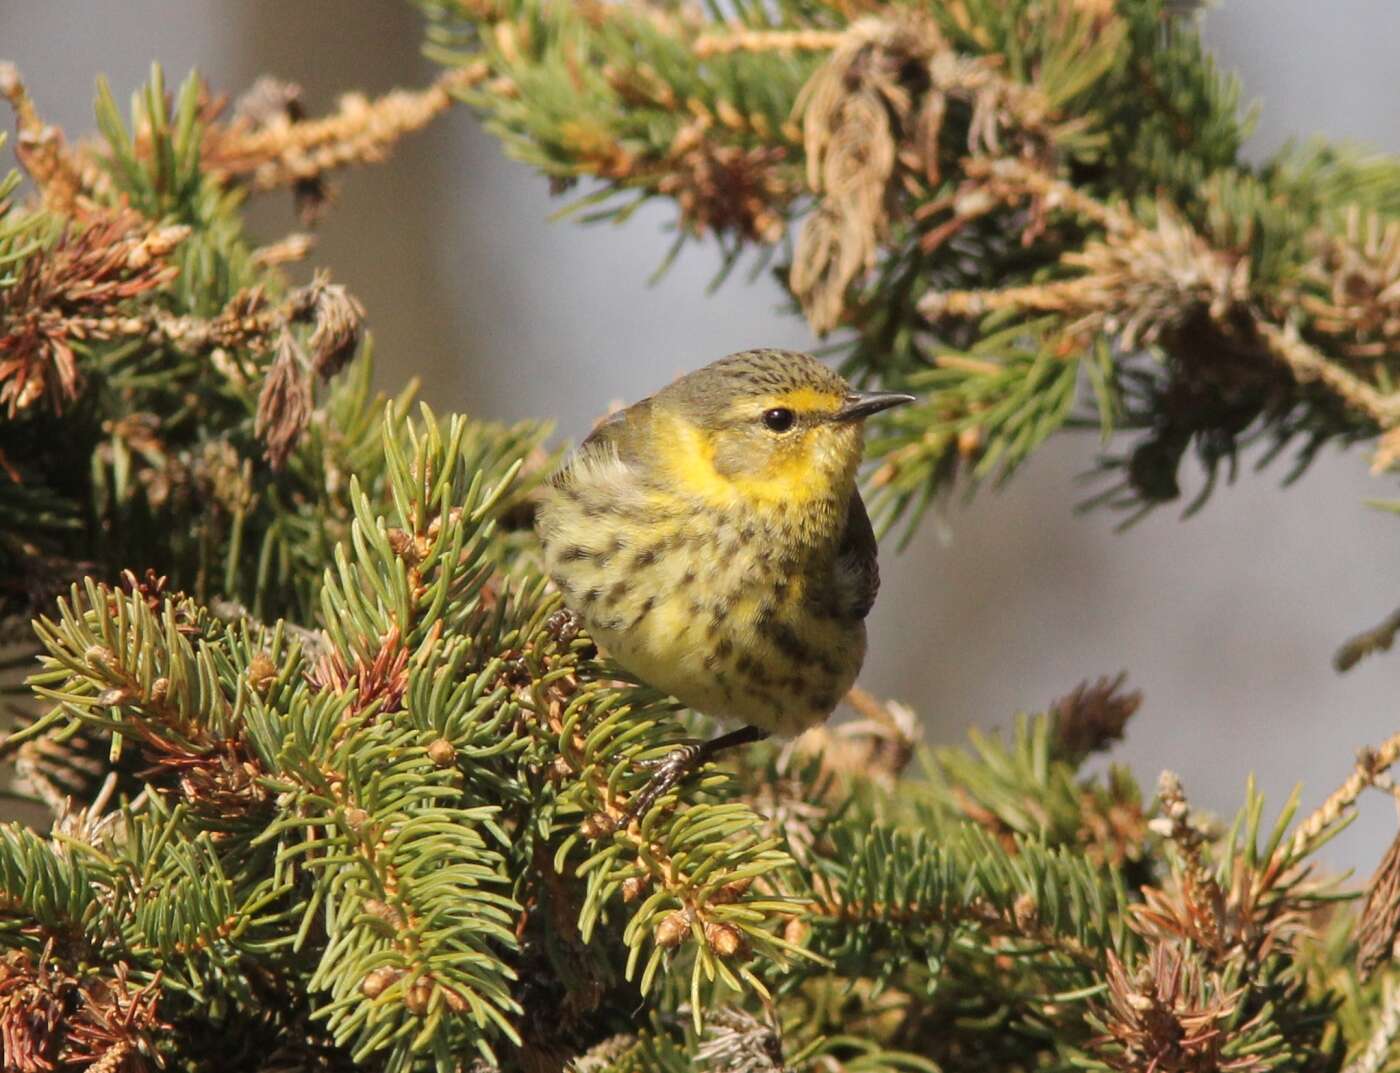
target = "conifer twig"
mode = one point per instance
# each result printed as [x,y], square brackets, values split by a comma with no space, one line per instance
[1378,1048]
[1378,638]
[1370,763]
[286,151]
[1308,364]
[741,39]
[54,167]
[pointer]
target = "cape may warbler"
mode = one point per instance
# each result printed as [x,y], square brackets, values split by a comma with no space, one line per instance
[712,540]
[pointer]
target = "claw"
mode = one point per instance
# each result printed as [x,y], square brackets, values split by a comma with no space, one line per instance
[565,625]
[667,771]
[670,769]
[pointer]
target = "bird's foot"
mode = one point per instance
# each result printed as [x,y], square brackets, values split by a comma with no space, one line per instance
[684,760]
[565,625]
[666,772]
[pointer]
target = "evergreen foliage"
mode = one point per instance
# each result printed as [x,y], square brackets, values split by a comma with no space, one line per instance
[338,785]
[1029,214]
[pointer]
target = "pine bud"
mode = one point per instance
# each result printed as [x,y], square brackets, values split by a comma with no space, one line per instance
[417,997]
[455,1002]
[441,753]
[1025,911]
[970,441]
[160,689]
[795,931]
[384,911]
[356,818]
[377,982]
[672,929]
[731,892]
[729,115]
[261,671]
[723,939]
[99,656]
[403,544]
[597,825]
[633,887]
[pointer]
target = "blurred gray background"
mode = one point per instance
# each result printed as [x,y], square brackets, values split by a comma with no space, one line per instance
[1226,621]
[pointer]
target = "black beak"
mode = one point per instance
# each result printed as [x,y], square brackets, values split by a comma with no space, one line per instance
[861,404]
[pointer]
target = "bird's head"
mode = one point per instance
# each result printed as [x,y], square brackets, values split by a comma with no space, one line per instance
[764,427]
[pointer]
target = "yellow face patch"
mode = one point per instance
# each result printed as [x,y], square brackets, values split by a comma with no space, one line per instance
[796,475]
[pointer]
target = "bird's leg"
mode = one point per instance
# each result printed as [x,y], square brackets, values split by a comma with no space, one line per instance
[565,625]
[679,763]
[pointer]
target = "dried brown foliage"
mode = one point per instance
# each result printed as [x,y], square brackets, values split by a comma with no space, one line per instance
[42,150]
[1265,907]
[879,744]
[872,117]
[33,1004]
[853,112]
[284,404]
[337,319]
[1356,276]
[727,188]
[116,1028]
[1169,1016]
[1135,283]
[1157,279]
[1112,828]
[270,144]
[379,682]
[78,290]
[1093,716]
[247,322]
[1379,925]
[51,1020]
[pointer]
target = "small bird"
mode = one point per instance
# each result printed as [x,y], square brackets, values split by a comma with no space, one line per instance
[712,540]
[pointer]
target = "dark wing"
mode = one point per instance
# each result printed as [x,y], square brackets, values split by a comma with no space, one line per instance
[605,431]
[618,432]
[857,565]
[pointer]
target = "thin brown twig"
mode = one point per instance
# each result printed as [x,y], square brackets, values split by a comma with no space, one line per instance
[745,40]
[41,148]
[361,131]
[1307,365]
[1014,179]
[1369,764]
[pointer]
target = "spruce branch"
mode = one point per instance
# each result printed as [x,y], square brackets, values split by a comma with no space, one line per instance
[122,295]
[42,149]
[336,784]
[79,291]
[1019,188]
[1379,1047]
[1336,810]
[1171,1016]
[269,143]
[1377,639]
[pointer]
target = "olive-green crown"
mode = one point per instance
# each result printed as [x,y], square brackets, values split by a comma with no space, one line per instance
[754,373]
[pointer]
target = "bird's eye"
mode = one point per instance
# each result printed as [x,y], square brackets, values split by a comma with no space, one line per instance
[778,419]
